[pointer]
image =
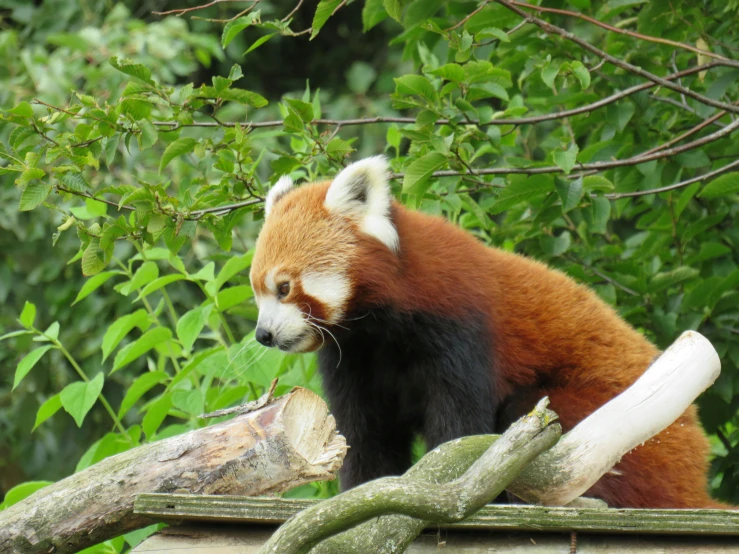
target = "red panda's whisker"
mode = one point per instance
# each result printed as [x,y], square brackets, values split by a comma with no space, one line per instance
[248,345]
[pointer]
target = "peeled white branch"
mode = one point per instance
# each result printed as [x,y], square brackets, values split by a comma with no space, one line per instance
[670,385]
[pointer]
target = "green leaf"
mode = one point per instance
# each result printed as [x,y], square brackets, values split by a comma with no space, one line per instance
[597,183]
[520,190]
[570,192]
[73,180]
[179,147]
[324,10]
[159,283]
[549,73]
[233,28]
[51,333]
[418,172]
[141,346]
[47,409]
[121,327]
[14,334]
[27,363]
[667,279]
[230,297]
[257,43]
[23,109]
[135,70]
[155,415]
[373,13]
[143,384]
[601,210]
[728,183]
[234,265]
[565,160]
[207,273]
[22,491]
[33,195]
[94,283]
[246,97]
[93,259]
[28,315]
[191,324]
[450,72]
[418,85]
[303,109]
[148,135]
[582,73]
[79,398]
[145,274]
[394,9]
[189,401]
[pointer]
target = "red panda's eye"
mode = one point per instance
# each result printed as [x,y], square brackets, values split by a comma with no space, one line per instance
[283,290]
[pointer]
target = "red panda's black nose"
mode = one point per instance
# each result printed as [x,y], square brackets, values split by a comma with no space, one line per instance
[264,337]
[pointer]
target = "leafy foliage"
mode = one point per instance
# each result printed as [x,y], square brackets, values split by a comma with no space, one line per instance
[137,154]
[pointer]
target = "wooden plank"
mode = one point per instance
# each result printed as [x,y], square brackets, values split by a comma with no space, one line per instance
[230,540]
[238,509]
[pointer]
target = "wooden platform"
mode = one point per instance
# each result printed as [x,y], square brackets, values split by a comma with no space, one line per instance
[202,528]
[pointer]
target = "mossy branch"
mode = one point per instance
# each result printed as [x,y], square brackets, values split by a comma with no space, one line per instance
[417,497]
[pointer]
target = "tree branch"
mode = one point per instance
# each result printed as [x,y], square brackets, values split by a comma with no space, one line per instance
[488,476]
[410,120]
[681,184]
[613,29]
[553,29]
[635,160]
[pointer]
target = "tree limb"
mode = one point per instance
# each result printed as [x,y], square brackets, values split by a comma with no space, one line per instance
[453,501]
[289,442]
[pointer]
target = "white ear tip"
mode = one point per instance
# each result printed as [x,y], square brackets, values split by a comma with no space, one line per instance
[280,188]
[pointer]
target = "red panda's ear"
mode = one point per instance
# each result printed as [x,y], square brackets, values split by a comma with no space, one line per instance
[280,189]
[361,192]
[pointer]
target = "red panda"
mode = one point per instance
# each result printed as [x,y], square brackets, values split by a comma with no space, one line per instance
[421,329]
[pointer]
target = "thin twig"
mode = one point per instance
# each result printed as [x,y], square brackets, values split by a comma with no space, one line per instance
[468,16]
[183,11]
[687,182]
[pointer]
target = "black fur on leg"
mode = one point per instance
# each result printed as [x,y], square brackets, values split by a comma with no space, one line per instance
[393,375]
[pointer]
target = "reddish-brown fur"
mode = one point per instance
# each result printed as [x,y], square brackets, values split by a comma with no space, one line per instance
[546,328]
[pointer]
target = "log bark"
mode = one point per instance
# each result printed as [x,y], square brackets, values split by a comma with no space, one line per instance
[424,500]
[289,442]
[665,390]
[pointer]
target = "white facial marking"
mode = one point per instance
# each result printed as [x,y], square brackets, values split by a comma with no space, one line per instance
[286,323]
[283,185]
[269,281]
[331,289]
[361,191]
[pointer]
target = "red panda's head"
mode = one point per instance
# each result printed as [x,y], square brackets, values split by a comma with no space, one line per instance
[302,268]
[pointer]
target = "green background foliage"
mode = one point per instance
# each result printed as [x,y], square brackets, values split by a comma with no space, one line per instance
[136,149]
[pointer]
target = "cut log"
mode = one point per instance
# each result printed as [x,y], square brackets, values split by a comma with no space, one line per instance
[289,442]
[665,390]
